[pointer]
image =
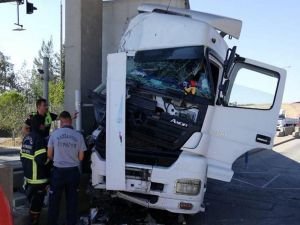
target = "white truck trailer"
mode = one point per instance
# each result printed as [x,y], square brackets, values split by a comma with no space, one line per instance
[285,121]
[179,106]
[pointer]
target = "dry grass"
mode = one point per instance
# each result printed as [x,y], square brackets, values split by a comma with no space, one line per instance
[9,142]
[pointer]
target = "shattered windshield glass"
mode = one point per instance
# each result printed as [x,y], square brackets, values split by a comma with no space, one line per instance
[177,69]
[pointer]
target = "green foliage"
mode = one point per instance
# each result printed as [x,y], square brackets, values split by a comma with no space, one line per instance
[54,58]
[36,85]
[56,95]
[56,85]
[12,111]
[19,91]
[8,79]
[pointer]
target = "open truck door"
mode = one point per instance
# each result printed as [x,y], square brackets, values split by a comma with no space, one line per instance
[245,115]
[115,121]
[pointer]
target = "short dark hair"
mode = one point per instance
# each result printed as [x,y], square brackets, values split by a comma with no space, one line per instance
[36,122]
[40,101]
[65,115]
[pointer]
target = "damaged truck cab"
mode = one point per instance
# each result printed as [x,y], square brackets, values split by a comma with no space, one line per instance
[179,107]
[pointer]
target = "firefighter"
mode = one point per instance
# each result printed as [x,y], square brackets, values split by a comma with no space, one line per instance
[44,115]
[36,175]
[66,148]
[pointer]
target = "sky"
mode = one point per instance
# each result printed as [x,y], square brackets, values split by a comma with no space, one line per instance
[270,32]
[43,24]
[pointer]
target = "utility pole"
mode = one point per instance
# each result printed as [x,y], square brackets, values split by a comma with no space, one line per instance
[46,78]
[20,26]
[61,38]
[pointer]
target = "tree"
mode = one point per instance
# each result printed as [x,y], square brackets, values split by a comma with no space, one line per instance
[56,95]
[12,111]
[36,88]
[54,58]
[24,81]
[56,85]
[8,80]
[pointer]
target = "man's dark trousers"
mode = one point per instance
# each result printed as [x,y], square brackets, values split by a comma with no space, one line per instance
[64,179]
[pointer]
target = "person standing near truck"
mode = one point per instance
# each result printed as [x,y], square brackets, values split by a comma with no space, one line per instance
[66,148]
[42,114]
[36,172]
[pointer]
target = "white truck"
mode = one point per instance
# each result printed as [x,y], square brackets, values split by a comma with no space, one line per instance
[284,121]
[179,106]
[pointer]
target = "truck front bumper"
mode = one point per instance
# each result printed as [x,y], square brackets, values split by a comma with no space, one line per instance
[156,187]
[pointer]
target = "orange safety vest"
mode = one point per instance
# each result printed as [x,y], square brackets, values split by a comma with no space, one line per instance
[6,216]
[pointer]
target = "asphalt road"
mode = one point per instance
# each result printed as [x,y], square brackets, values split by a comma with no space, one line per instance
[264,192]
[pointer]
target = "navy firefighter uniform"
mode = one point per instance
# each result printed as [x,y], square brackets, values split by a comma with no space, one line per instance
[36,172]
[46,120]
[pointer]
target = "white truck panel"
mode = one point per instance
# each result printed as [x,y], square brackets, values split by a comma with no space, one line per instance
[115,122]
[229,26]
[233,131]
[174,31]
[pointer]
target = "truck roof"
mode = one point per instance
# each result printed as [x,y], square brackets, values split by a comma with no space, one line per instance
[154,30]
[226,25]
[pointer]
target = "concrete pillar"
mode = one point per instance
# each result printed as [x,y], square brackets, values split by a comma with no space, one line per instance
[83,38]
[6,182]
[116,16]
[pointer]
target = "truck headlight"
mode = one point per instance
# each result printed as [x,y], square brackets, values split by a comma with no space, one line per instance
[188,186]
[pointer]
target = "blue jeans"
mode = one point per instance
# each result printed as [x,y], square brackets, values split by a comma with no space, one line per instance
[64,179]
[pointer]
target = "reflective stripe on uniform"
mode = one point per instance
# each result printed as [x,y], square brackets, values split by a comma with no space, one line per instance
[34,170]
[34,166]
[32,181]
[48,119]
[38,152]
[27,156]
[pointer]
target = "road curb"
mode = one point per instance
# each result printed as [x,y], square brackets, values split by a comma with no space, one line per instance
[285,141]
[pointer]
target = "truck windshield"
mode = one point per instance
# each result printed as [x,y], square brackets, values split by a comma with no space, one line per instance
[177,69]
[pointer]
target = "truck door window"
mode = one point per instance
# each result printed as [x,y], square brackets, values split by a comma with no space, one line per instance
[253,88]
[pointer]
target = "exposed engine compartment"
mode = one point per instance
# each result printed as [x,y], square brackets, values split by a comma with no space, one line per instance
[156,127]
